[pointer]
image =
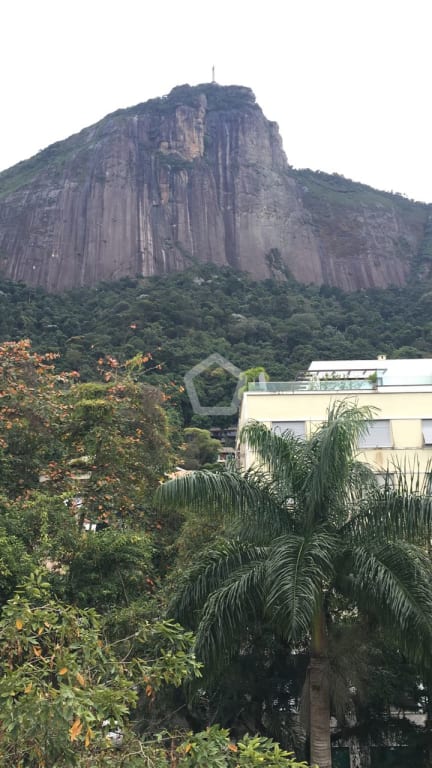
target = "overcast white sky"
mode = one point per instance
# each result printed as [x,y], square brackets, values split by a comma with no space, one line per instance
[348,81]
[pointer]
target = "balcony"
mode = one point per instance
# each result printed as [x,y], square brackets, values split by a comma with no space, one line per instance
[316,385]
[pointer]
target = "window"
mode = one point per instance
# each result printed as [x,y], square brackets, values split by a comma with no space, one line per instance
[297,427]
[427,431]
[378,435]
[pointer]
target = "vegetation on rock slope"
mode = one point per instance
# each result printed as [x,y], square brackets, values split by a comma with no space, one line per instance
[183,318]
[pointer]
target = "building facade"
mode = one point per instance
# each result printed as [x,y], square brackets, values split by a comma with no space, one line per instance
[398,391]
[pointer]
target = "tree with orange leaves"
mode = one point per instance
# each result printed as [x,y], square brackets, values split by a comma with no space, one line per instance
[75,456]
[32,411]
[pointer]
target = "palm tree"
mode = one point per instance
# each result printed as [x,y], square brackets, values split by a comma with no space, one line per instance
[307,522]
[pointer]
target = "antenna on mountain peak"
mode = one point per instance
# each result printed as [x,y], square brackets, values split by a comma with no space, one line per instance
[213,74]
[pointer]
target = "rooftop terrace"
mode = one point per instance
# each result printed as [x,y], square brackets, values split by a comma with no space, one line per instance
[356,375]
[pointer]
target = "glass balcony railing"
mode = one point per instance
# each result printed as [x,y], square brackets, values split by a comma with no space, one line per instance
[319,385]
[341,385]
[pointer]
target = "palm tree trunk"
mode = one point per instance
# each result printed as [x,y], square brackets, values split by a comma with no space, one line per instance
[319,695]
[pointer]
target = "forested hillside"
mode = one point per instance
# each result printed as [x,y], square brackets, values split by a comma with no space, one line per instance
[181,319]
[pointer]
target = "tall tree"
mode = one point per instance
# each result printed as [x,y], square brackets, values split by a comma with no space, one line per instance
[200,448]
[306,523]
[31,415]
[118,440]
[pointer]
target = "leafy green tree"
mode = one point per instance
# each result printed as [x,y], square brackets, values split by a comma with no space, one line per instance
[109,569]
[118,447]
[307,523]
[74,455]
[212,748]
[42,522]
[31,415]
[63,689]
[54,431]
[58,681]
[200,448]
[15,564]
[258,373]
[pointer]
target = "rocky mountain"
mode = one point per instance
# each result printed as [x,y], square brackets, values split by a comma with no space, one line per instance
[199,175]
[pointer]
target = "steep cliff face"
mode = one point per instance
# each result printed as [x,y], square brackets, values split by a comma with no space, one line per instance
[199,175]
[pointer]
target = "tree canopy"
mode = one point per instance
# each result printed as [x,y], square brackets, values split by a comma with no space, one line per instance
[178,320]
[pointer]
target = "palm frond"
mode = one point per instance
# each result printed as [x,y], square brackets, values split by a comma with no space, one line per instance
[228,612]
[297,569]
[387,513]
[250,502]
[273,514]
[209,573]
[394,580]
[361,480]
[406,477]
[285,457]
[319,474]
[206,490]
[334,446]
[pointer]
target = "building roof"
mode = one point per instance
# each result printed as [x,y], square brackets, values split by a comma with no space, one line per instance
[400,372]
[377,374]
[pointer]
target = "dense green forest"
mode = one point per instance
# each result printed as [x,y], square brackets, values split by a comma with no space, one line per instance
[92,412]
[182,318]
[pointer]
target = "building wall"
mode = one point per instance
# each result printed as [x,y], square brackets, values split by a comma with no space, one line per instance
[404,410]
